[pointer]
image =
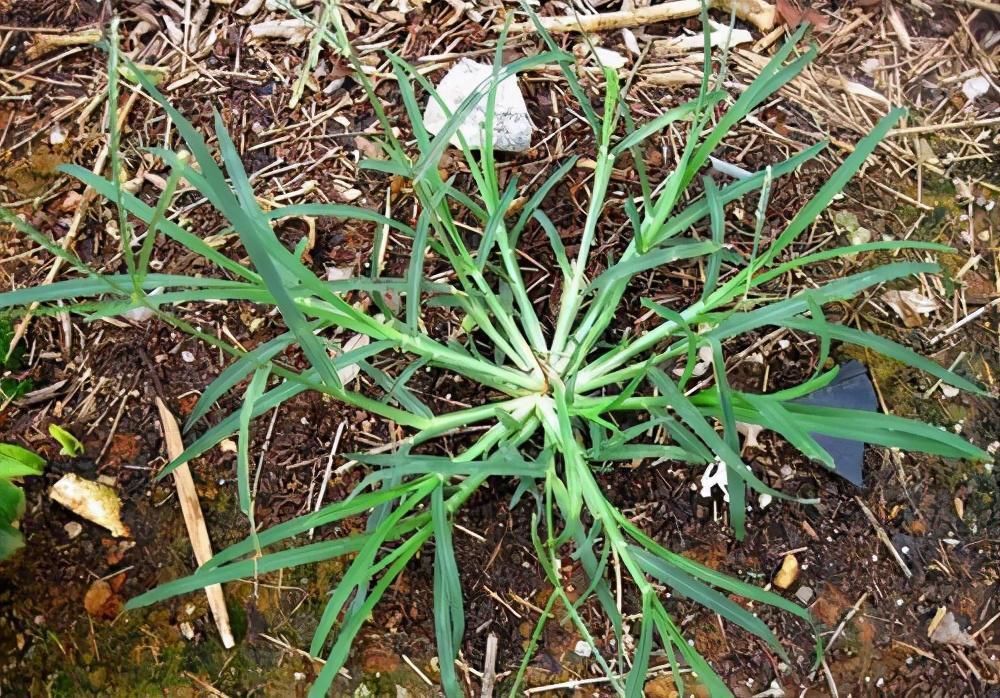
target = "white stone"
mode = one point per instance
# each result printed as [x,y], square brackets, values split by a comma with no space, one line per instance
[512,126]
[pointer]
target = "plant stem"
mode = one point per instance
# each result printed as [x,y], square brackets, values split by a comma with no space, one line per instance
[571,297]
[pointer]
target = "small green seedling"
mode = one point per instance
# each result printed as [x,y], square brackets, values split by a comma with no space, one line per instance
[15,463]
[71,445]
[10,388]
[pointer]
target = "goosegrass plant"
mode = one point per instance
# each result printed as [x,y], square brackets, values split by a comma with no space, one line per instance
[561,403]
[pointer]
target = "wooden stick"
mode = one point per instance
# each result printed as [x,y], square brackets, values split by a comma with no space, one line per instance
[489,667]
[46,43]
[759,13]
[983,5]
[194,520]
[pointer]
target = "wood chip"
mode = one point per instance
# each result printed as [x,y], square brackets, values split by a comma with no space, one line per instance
[194,520]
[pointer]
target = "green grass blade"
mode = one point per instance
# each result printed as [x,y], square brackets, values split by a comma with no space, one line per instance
[833,186]
[663,120]
[243,467]
[146,213]
[782,422]
[264,249]
[689,587]
[736,482]
[883,346]
[449,613]
[656,258]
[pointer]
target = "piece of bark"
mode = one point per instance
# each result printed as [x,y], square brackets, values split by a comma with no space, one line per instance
[194,520]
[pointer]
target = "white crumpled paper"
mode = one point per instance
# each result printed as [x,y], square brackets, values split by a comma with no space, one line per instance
[512,126]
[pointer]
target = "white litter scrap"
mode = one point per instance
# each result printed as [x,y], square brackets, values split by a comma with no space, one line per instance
[715,476]
[729,169]
[608,58]
[975,87]
[512,126]
[143,313]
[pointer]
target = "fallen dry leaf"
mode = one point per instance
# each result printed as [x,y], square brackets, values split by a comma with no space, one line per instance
[793,15]
[101,600]
[911,306]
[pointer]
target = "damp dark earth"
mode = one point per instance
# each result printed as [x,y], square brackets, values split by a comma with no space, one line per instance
[895,554]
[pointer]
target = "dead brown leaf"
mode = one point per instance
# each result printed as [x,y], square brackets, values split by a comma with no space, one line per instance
[793,15]
[101,601]
[911,306]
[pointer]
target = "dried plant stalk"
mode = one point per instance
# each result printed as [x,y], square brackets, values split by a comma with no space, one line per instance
[759,13]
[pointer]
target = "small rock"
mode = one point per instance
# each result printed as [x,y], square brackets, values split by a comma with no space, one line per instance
[101,600]
[512,125]
[870,65]
[856,232]
[97,594]
[73,529]
[661,687]
[582,649]
[608,58]
[944,629]
[788,573]
[804,594]
[187,357]
[349,195]
[187,630]
[143,313]
[339,273]
[57,135]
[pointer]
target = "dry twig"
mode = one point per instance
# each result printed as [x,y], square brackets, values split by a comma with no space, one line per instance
[757,12]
